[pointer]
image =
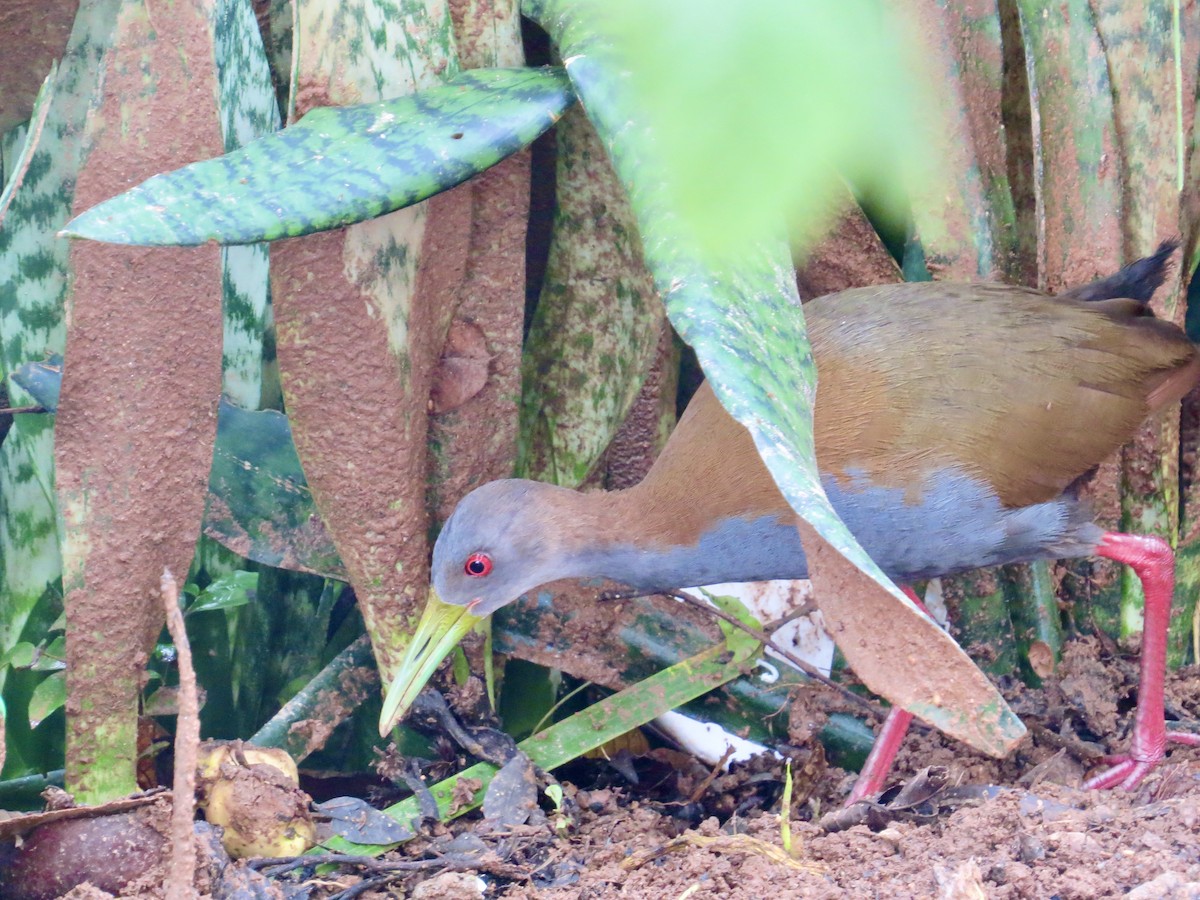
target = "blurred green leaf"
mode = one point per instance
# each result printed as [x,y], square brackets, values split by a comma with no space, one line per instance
[740,644]
[20,656]
[53,657]
[227,592]
[755,105]
[49,695]
[338,165]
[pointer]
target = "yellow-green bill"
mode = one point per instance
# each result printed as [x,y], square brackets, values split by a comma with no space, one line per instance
[441,627]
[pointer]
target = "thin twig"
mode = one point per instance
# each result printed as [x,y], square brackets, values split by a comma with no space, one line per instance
[716,769]
[17,410]
[187,741]
[763,637]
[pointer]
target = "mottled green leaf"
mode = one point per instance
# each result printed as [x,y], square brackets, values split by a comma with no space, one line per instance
[49,695]
[33,282]
[13,171]
[248,111]
[742,315]
[338,165]
[597,322]
[259,504]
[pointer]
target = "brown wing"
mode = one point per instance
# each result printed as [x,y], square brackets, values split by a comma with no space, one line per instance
[1023,390]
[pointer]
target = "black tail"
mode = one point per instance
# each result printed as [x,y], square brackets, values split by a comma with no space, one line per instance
[1137,281]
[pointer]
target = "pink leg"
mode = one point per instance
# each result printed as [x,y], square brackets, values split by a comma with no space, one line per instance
[887,743]
[1153,562]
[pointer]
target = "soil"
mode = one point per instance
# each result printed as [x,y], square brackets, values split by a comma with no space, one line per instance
[1015,828]
[659,824]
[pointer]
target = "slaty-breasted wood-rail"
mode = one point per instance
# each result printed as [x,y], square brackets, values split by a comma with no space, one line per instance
[952,424]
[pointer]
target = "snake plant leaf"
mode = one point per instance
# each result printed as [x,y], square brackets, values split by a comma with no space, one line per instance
[338,165]
[741,313]
[259,504]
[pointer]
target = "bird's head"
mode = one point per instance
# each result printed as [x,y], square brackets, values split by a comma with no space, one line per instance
[503,539]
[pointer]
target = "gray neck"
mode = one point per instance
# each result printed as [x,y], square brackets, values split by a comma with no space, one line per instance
[737,549]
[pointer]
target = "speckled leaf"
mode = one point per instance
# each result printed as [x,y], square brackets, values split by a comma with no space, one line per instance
[1153,56]
[120,528]
[12,170]
[1075,145]
[258,502]
[1081,204]
[33,280]
[597,321]
[743,318]
[338,165]
[361,313]
[246,103]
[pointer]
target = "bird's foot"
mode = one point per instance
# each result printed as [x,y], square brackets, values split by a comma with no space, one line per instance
[1128,770]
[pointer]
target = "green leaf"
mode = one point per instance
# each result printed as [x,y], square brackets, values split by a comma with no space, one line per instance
[740,644]
[738,307]
[596,326]
[259,504]
[49,695]
[52,657]
[227,592]
[338,165]
[20,656]
[42,380]
[579,733]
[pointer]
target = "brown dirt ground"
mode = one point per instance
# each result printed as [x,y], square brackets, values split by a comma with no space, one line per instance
[1036,835]
[658,824]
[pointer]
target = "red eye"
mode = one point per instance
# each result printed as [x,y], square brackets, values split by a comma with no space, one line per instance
[478,565]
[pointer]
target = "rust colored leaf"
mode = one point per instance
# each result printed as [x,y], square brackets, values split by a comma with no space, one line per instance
[137,413]
[880,637]
[362,314]
[476,441]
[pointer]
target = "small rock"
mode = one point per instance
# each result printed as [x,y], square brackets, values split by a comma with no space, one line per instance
[962,883]
[1152,841]
[1029,848]
[1100,814]
[450,886]
[1167,886]
[1047,810]
[891,835]
[1074,841]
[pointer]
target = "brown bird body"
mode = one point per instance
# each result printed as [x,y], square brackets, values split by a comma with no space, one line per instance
[951,423]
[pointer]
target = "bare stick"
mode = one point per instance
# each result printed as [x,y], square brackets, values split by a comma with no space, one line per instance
[187,741]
